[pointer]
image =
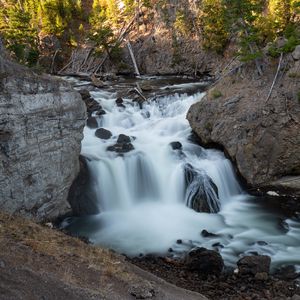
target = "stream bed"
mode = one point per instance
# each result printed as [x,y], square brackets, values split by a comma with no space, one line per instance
[143,195]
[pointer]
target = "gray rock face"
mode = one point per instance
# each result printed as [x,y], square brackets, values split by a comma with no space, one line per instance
[41,126]
[261,137]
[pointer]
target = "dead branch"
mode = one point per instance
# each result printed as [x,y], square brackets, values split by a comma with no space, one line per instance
[275,78]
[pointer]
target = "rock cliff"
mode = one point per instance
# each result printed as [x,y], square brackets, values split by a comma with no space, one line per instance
[41,126]
[260,134]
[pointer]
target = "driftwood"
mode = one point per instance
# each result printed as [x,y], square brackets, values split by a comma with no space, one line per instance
[275,78]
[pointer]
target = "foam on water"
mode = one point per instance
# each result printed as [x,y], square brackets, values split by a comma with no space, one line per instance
[141,195]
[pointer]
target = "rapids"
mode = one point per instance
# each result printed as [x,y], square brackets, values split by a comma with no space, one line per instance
[142,194]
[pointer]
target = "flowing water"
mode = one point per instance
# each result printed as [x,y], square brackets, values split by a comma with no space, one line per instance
[143,196]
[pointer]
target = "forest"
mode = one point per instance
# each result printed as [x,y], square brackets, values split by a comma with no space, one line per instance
[252,24]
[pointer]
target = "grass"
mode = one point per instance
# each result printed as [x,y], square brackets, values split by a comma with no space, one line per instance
[214,94]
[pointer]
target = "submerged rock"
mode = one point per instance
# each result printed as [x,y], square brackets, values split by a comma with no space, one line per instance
[41,129]
[205,262]
[201,192]
[176,145]
[205,233]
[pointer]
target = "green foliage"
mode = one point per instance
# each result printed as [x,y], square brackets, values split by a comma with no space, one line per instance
[212,20]
[20,37]
[214,94]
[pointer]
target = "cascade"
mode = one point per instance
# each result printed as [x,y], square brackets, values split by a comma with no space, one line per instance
[165,188]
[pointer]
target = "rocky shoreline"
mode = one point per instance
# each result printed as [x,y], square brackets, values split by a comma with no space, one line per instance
[229,285]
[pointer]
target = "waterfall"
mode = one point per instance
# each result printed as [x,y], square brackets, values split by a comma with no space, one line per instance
[163,189]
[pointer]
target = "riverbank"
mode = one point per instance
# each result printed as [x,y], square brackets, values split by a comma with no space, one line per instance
[228,286]
[37,262]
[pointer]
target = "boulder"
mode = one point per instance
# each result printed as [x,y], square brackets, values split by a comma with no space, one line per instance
[261,137]
[41,128]
[251,265]
[201,192]
[103,134]
[204,261]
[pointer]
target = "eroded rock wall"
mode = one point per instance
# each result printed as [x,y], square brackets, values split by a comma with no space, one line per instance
[262,136]
[41,127]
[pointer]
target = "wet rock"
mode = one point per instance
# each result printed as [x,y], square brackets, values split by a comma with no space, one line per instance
[251,265]
[100,112]
[176,145]
[123,144]
[92,122]
[123,139]
[103,133]
[217,245]
[201,192]
[205,262]
[205,233]
[261,243]
[121,148]
[146,114]
[81,195]
[121,105]
[91,104]
[119,100]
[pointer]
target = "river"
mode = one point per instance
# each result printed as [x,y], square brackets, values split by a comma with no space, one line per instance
[143,195]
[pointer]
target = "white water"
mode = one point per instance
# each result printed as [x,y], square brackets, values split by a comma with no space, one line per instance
[141,195]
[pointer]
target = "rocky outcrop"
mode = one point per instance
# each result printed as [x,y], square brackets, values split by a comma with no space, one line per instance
[260,134]
[41,126]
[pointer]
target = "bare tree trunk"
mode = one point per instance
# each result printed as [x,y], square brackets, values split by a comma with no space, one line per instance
[136,69]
